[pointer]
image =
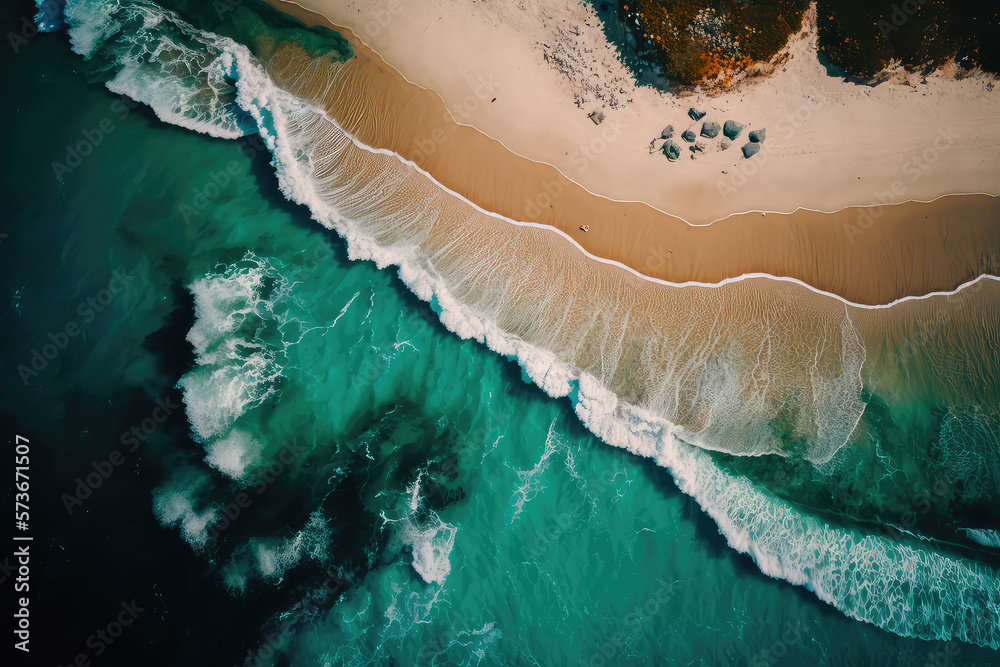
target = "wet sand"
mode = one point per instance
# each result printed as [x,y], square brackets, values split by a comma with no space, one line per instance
[869,255]
[530,72]
[723,362]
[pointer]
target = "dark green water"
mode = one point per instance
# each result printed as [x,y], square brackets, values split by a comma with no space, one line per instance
[313,470]
[859,38]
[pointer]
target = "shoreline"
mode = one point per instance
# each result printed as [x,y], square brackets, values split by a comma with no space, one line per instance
[825,135]
[853,253]
[445,375]
[694,283]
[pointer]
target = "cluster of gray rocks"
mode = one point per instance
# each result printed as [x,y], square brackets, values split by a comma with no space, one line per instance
[710,129]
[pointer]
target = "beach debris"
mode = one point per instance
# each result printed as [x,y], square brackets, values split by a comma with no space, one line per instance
[585,228]
[597,116]
[724,144]
[731,129]
[699,147]
[757,136]
[750,149]
[710,129]
[667,132]
[671,150]
[688,136]
[695,114]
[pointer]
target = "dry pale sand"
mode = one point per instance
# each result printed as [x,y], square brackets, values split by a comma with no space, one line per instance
[866,255]
[722,361]
[830,144]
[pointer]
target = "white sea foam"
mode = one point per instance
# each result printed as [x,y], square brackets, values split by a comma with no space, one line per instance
[233,453]
[237,343]
[432,542]
[531,479]
[178,71]
[987,538]
[90,24]
[269,559]
[910,592]
[430,539]
[181,502]
[895,586]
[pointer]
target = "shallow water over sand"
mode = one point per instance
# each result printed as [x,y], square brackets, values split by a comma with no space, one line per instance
[413,494]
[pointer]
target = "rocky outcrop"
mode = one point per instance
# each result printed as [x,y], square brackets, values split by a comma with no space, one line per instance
[671,150]
[732,129]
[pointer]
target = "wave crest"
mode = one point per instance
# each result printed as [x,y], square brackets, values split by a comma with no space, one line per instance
[750,367]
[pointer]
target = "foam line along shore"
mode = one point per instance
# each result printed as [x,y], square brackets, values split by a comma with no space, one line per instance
[869,254]
[760,369]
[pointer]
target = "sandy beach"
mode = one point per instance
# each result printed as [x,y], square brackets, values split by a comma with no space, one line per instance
[830,144]
[393,356]
[871,254]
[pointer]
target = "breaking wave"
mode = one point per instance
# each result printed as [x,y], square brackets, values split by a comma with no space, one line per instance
[673,373]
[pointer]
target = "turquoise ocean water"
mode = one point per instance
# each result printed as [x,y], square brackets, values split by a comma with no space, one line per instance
[297,463]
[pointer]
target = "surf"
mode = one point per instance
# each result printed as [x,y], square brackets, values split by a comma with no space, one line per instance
[636,360]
